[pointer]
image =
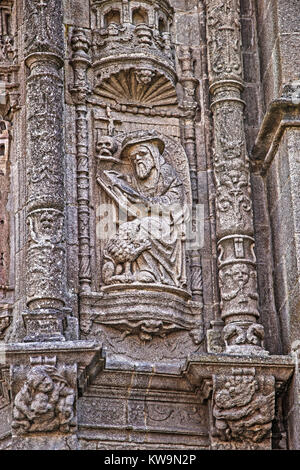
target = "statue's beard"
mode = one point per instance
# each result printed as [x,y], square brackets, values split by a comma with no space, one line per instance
[143,170]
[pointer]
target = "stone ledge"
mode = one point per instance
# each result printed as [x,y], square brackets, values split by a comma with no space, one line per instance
[282,113]
[199,367]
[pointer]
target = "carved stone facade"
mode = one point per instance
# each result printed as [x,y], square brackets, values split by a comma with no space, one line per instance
[149,293]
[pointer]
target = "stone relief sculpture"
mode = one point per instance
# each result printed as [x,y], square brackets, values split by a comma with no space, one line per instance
[244,407]
[45,402]
[150,248]
[138,109]
[144,178]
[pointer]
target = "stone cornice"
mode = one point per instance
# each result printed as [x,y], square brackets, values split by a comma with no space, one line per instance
[199,367]
[281,114]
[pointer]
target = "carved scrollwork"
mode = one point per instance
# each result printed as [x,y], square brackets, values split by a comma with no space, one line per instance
[243,334]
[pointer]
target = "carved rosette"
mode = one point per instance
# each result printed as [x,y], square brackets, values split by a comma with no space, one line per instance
[234,224]
[80,63]
[243,410]
[45,259]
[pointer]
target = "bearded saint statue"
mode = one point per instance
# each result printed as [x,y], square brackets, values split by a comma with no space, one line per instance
[149,248]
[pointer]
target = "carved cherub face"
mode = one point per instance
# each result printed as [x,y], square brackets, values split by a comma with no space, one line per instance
[142,159]
[240,274]
[105,146]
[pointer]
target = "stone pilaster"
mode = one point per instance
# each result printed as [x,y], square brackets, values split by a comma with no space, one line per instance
[45,257]
[234,224]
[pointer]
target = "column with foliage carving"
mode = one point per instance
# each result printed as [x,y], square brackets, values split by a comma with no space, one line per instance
[46,251]
[236,261]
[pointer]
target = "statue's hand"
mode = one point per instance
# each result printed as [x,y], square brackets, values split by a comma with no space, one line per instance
[137,199]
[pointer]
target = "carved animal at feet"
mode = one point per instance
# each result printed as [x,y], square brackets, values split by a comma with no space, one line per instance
[121,251]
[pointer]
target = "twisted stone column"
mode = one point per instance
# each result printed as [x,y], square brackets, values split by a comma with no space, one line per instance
[81,63]
[45,257]
[236,261]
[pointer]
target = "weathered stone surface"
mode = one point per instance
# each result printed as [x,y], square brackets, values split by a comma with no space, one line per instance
[149,224]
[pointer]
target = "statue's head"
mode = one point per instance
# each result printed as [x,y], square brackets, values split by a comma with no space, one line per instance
[145,154]
[142,160]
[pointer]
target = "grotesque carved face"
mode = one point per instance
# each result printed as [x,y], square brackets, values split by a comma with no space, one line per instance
[105,146]
[113,29]
[142,160]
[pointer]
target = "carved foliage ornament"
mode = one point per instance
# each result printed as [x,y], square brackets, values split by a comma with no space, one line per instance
[231,169]
[43,26]
[44,403]
[224,39]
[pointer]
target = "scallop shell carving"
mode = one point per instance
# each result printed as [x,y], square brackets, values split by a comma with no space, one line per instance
[138,87]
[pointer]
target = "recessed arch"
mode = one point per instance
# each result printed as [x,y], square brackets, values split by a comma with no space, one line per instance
[112,16]
[140,16]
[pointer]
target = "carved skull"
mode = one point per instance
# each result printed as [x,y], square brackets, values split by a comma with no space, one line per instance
[106,146]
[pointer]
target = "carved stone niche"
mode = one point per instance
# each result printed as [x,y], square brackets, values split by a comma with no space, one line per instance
[133,60]
[143,206]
